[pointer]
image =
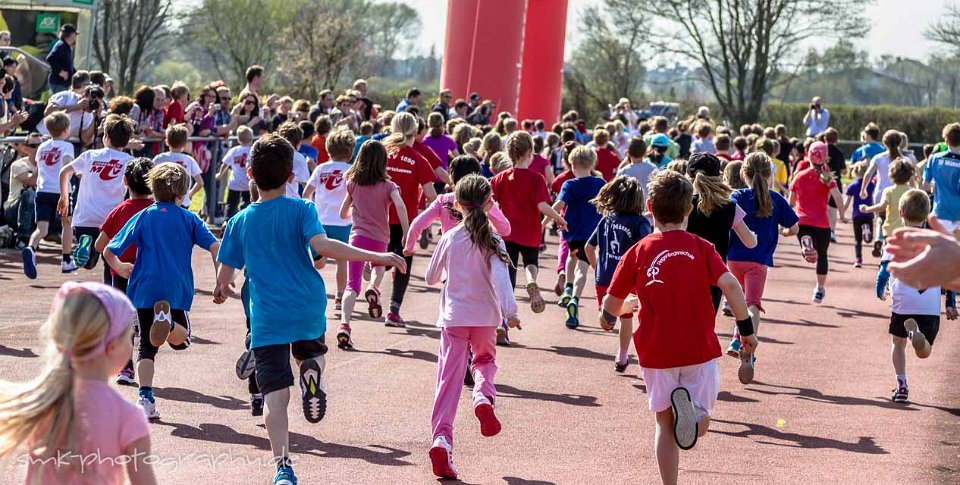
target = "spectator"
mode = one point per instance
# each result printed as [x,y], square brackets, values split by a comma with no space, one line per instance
[360,86]
[283,113]
[179,96]
[443,104]
[247,112]
[412,99]
[624,112]
[4,42]
[16,98]
[817,118]
[18,209]
[342,114]
[323,107]
[60,59]
[481,114]
[363,109]
[76,105]
[254,77]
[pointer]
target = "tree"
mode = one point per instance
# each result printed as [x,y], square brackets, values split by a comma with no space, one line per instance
[606,64]
[744,46]
[128,35]
[396,26]
[947,30]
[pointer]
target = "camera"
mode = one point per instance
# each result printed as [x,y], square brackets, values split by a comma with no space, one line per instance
[94,95]
[94,104]
[217,107]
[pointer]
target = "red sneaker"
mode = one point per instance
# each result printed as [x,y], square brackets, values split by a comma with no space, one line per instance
[441,457]
[489,424]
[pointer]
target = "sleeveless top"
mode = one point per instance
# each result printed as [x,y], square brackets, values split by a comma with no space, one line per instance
[716,227]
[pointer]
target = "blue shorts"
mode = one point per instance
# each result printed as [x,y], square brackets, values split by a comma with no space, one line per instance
[47,207]
[339,233]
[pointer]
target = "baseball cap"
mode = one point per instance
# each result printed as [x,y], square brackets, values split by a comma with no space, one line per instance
[707,163]
[818,153]
[660,141]
[68,29]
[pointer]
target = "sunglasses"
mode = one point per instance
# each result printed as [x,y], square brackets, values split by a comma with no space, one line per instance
[251,103]
[33,145]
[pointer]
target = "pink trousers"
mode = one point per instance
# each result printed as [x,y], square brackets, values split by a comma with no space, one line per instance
[752,277]
[355,268]
[451,367]
[562,252]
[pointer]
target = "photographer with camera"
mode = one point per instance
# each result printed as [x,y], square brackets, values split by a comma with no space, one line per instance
[817,118]
[83,103]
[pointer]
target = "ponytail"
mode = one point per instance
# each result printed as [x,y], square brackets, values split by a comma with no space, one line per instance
[757,168]
[892,140]
[714,194]
[473,192]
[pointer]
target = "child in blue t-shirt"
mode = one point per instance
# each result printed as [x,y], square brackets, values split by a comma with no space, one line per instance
[161,281]
[575,201]
[862,221]
[272,239]
[621,227]
[767,211]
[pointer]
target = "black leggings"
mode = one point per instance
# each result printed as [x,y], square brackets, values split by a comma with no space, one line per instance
[234,197]
[531,257]
[858,223]
[400,280]
[821,242]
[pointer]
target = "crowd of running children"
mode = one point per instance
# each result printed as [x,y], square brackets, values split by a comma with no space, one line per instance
[673,229]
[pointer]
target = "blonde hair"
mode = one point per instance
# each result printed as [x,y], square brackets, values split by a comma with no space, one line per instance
[472,147]
[859,169]
[403,127]
[57,123]
[176,136]
[244,134]
[714,194]
[914,206]
[340,144]
[491,145]
[583,157]
[519,145]
[168,182]
[499,162]
[756,167]
[41,411]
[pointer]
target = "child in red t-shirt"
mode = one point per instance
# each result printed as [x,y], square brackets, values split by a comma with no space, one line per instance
[135,180]
[671,272]
[607,159]
[522,195]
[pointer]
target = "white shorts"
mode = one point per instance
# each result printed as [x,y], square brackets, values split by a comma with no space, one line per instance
[702,380]
[951,226]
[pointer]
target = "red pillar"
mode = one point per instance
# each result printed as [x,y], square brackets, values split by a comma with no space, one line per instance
[482,49]
[541,74]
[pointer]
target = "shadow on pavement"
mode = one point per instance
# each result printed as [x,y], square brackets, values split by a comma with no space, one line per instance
[12,352]
[189,395]
[521,481]
[817,396]
[406,354]
[504,390]
[799,323]
[865,444]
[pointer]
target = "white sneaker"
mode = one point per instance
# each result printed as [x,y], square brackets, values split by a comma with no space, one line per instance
[68,266]
[441,457]
[149,408]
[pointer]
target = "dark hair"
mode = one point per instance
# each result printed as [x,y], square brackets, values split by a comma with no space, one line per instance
[413,92]
[872,130]
[136,175]
[252,73]
[121,105]
[144,97]
[8,61]
[622,195]
[271,161]
[119,129]
[96,77]
[307,128]
[671,196]
[323,125]
[637,148]
[370,167]
[290,131]
[79,79]
[462,166]
[473,192]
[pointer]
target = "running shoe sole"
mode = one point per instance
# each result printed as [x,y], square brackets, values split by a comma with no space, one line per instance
[311,391]
[745,371]
[685,425]
[29,262]
[123,380]
[373,301]
[246,365]
[561,283]
[489,424]
[808,252]
[367,271]
[440,461]
[572,320]
[536,301]
[81,254]
[918,340]
[162,320]
[343,340]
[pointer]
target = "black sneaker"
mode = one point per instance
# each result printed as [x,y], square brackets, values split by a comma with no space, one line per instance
[468,376]
[901,393]
[311,390]
[256,404]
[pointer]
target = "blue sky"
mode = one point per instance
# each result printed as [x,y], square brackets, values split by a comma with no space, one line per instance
[897,25]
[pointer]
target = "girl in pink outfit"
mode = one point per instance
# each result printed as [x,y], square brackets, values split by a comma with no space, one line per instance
[77,429]
[442,207]
[476,297]
[369,196]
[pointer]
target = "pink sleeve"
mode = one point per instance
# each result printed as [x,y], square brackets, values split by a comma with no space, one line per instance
[438,263]
[423,221]
[738,218]
[134,426]
[500,278]
[500,222]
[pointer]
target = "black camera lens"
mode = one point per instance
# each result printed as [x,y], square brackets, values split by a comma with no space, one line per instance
[94,104]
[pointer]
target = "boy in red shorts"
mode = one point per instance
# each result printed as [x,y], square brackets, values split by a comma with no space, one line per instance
[671,272]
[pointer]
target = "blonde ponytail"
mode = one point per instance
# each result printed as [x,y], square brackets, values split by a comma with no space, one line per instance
[714,194]
[757,168]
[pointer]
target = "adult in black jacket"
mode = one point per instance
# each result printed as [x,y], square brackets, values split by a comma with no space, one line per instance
[60,59]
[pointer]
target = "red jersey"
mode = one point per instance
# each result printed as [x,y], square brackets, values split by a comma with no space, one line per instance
[410,171]
[118,217]
[607,163]
[560,179]
[539,164]
[173,114]
[519,191]
[320,144]
[671,273]
[812,197]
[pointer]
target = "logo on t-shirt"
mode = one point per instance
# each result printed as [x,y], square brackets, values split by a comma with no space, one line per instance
[331,180]
[107,170]
[51,156]
[661,258]
[241,161]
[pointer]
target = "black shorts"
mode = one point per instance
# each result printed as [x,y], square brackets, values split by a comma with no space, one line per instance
[576,247]
[929,325]
[531,254]
[47,207]
[146,350]
[273,362]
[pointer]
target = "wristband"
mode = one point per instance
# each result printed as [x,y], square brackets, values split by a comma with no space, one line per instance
[745,327]
[608,317]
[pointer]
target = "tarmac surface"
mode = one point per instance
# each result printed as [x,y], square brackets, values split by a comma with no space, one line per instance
[818,412]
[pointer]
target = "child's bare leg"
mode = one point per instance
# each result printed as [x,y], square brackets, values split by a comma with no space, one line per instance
[898,355]
[665,446]
[378,272]
[822,280]
[626,335]
[145,372]
[66,235]
[276,421]
[755,316]
[570,268]
[349,301]
[39,233]
[341,277]
[531,272]
[581,280]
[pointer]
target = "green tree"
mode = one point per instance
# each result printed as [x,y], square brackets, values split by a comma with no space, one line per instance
[744,47]
[394,28]
[128,35]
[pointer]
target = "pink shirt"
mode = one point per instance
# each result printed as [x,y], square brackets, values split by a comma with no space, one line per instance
[478,293]
[371,209]
[442,208]
[104,425]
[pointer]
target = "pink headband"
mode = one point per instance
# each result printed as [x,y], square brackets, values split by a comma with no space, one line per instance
[119,310]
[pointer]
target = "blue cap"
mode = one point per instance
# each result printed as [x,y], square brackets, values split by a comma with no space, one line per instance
[660,140]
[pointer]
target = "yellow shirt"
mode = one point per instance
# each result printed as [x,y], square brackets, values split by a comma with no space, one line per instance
[781,172]
[893,195]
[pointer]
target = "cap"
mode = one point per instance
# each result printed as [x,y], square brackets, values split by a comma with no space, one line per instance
[474,95]
[660,141]
[119,310]
[707,163]
[68,29]
[818,152]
